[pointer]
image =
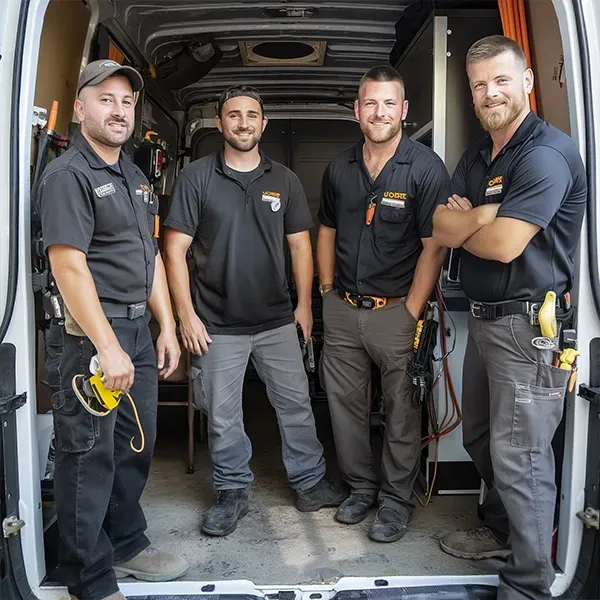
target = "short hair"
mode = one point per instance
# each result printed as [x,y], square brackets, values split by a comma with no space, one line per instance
[494,45]
[234,91]
[381,73]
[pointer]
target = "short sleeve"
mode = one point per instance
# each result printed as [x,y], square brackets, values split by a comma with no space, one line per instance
[432,190]
[64,203]
[327,208]
[297,215]
[458,184]
[538,186]
[184,206]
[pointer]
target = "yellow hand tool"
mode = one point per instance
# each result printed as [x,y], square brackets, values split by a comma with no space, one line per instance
[567,358]
[547,316]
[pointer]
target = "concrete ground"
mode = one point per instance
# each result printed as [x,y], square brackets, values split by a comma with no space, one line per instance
[274,543]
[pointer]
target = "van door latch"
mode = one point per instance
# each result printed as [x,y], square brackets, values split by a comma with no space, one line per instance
[591,394]
[590,517]
[11,526]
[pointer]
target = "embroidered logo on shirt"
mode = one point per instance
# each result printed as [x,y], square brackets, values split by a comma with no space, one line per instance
[105,190]
[394,199]
[274,198]
[494,186]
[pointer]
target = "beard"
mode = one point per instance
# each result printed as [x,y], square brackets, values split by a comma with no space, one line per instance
[500,118]
[242,145]
[380,135]
[103,133]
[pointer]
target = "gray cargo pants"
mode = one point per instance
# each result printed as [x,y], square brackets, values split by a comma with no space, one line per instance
[353,339]
[512,404]
[218,379]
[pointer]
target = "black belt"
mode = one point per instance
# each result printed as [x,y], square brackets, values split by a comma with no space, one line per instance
[490,312]
[124,311]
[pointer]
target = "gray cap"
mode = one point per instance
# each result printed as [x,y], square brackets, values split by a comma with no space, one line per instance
[96,72]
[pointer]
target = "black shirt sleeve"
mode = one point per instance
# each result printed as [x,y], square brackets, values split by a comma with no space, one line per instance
[432,190]
[458,184]
[539,184]
[184,206]
[297,215]
[327,208]
[64,201]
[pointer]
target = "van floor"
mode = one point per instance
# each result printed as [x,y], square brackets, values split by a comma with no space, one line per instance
[274,543]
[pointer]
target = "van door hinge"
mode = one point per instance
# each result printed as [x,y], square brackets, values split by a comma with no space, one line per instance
[590,517]
[11,526]
[591,394]
[9,404]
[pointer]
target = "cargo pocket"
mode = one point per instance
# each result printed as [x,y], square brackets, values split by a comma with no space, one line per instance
[536,415]
[53,349]
[75,429]
[198,392]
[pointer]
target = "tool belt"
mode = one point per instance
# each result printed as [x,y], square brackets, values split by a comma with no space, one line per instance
[368,302]
[124,311]
[492,311]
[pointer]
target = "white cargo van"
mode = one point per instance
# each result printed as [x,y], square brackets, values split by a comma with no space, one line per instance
[306,58]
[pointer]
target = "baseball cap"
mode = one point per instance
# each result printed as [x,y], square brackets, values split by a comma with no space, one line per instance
[97,71]
[237,90]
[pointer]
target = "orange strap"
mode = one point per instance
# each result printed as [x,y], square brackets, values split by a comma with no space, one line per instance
[379,302]
[156,226]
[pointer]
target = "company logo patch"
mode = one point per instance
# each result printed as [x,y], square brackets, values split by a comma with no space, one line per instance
[109,63]
[104,190]
[394,199]
[274,198]
[494,186]
[395,195]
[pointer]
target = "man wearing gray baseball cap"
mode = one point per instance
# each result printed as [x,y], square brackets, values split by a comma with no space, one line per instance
[98,217]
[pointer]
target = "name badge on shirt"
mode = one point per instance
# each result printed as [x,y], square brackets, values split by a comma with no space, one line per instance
[393,203]
[274,198]
[494,186]
[104,190]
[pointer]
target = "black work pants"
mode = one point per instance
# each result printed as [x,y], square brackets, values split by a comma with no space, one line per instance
[99,478]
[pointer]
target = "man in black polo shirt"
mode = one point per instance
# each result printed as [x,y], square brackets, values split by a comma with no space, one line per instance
[518,204]
[97,216]
[378,265]
[234,208]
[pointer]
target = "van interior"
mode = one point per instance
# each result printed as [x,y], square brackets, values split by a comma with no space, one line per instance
[306,59]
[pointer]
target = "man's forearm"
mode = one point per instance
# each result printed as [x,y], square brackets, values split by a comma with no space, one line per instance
[79,294]
[326,255]
[426,276]
[452,227]
[303,269]
[178,276]
[159,301]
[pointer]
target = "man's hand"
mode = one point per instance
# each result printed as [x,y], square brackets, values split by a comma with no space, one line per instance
[168,353]
[304,318]
[194,335]
[117,367]
[456,202]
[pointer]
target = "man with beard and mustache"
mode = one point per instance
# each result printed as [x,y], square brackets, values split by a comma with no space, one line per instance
[234,208]
[517,209]
[97,217]
[378,266]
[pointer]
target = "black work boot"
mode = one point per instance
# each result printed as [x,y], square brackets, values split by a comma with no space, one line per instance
[389,524]
[324,493]
[354,509]
[223,516]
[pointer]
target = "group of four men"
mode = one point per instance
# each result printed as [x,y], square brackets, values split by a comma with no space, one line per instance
[389,210]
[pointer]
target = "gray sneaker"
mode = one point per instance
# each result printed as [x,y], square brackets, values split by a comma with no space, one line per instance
[475,544]
[152,565]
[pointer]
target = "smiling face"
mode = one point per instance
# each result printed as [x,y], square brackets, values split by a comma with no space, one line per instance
[380,110]
[107,111]
[242,123]
[500,87]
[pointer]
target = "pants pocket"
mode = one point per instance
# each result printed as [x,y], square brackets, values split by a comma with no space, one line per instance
[536,415]
[53,349]
[198,392]
[75,429]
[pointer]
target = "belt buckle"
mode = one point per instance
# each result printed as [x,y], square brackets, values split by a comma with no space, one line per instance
[476,310]
[367,302]
[135,311]
[533,312]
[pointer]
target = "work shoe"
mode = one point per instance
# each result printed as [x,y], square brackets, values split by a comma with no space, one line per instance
[229,507]
[152,565]
[324,493]
[389,524]
[474,544]
[354,509]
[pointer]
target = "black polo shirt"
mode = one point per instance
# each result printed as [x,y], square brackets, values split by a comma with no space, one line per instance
[239,283]
[537,177]
[87,204]
[380,259]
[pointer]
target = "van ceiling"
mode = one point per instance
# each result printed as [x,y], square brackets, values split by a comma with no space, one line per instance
[200,47]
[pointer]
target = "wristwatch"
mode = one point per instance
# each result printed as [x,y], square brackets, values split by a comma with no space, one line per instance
[323,289]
